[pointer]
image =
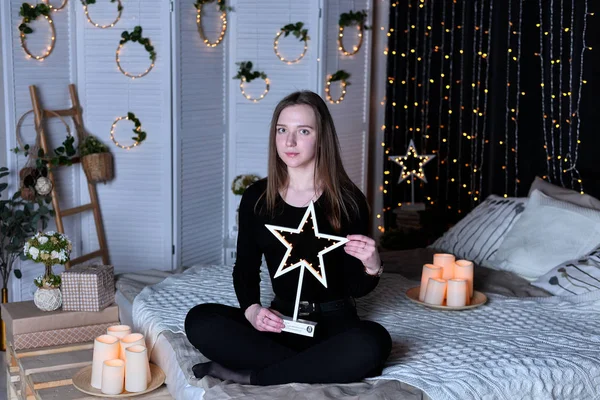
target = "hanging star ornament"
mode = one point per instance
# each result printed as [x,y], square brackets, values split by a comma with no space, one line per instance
[414,158]
[287,235]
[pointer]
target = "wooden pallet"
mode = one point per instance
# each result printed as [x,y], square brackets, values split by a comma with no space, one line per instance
[45,373]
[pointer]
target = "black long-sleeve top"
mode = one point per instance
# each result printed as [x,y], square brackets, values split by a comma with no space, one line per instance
[345,274]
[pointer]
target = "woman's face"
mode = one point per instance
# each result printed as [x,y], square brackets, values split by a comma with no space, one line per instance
[296,136]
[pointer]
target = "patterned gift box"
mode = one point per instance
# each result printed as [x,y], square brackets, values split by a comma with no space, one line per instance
[57,337]
[88,288]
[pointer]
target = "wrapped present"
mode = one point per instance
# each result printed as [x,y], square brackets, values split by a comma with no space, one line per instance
[88,288]
[28,327]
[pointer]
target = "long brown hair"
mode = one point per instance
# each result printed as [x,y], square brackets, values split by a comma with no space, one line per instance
[339,191]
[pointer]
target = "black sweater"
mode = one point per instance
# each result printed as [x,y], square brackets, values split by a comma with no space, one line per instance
[345,273]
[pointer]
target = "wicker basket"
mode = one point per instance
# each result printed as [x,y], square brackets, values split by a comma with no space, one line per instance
[98,167]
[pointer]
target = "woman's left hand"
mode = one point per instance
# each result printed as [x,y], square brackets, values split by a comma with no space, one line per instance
[364,248]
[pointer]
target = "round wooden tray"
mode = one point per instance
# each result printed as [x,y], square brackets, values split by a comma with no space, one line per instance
[82,380]
[477,300]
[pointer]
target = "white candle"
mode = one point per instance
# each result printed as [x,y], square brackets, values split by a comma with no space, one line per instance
[113,376]
[106,347]
[119,331]
[446,261]
[429,271]
[457,293]
[136,375]
[464,270]
[436,291]
[131,340]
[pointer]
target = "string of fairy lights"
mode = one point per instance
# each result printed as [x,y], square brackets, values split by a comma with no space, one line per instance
[440,61]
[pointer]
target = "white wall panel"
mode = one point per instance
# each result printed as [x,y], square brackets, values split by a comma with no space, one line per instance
[201,132]
[350,115]
[51,77]
[136,205]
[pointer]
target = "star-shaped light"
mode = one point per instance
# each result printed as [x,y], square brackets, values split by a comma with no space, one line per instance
[411,154]
[302,263]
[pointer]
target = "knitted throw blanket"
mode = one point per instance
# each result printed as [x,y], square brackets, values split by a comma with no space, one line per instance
[509,348]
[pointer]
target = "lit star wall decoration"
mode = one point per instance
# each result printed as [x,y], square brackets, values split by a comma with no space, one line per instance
[411,154]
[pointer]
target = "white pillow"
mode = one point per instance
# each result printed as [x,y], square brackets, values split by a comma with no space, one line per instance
[548,233]
[478,235]
[574,276]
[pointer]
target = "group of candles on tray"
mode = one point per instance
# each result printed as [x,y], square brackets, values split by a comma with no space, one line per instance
[120,361]
[447,281]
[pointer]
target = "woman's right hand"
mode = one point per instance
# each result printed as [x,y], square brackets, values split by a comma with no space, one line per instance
[263,319]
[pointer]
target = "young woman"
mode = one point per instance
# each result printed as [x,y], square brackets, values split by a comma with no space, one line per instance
[246,344]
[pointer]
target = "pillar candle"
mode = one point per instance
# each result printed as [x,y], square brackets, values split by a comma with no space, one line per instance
[131,340]
[106,347]
[113,376]
[136,375]
[119,331]
[464,270]
[457,293]
[446,261]
[436,291]
[429,271]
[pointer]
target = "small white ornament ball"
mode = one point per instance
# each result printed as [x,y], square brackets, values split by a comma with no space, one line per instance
[43,186]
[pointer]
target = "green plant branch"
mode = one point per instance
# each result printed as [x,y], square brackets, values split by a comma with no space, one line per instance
[136,36]
[88,2]
[245,71]
[140,134]
[340,75]
[31,13]
[297,31]
[354,18]
[223,7]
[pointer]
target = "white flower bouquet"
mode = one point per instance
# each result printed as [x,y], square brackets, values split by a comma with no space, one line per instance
[49,248]
[241,183]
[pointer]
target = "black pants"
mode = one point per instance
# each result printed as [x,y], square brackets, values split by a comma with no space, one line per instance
[344,349]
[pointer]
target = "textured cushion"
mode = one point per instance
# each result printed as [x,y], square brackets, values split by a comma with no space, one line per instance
[478,235]
[549,232]
[564,194]
[574,276]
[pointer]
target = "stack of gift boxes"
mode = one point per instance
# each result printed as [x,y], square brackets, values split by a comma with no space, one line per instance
[88,310]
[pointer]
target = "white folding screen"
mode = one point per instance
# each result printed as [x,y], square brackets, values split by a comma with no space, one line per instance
[170,203]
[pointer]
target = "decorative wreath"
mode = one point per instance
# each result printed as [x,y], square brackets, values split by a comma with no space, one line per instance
[223,8]
[296,30]
[136,36]
[139,137]
[62,5]
[86,3]
[341,76]
[245,74]
[349,19]
[31,13]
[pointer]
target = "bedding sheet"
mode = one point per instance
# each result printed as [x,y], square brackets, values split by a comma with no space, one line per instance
[510,348]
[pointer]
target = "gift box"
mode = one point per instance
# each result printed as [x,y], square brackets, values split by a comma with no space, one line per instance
[28,327]
[88,287]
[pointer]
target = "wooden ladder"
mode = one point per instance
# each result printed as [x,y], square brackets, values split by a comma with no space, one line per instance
[75,113]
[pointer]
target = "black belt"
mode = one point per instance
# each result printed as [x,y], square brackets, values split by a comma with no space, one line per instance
[307,307]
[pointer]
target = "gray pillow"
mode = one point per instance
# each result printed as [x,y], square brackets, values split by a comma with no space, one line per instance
[574,276]
[478,235]
[564,194]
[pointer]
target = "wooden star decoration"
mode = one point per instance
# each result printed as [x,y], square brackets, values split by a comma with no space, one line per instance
[280,233]
[411,155]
